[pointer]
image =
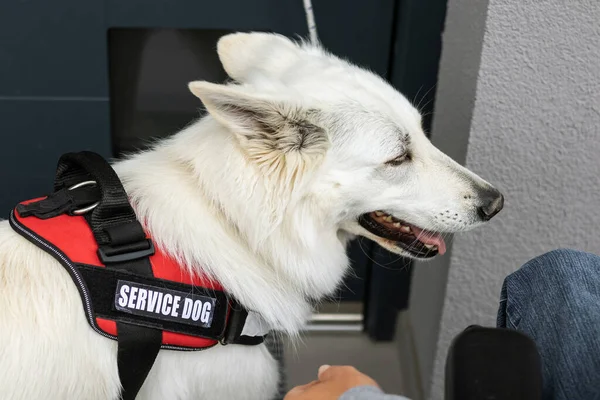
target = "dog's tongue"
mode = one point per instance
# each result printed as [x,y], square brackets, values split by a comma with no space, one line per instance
[430,238]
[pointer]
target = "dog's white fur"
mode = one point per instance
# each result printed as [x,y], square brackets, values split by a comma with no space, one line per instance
[262,195]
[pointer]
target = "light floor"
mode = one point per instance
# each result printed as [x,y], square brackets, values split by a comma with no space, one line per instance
[378,360]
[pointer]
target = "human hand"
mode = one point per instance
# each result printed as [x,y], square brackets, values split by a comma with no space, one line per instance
[331,384]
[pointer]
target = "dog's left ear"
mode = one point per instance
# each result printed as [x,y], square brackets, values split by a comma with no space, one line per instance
[244,54]
[271,130]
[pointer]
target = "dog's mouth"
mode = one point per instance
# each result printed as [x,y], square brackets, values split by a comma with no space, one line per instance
[418,242]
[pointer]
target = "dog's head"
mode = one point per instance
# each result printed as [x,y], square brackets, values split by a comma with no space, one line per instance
[339,139]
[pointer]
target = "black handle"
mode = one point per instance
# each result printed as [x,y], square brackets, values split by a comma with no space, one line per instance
[493,363]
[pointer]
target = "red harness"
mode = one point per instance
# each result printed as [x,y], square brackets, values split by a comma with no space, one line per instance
[60,232]
[131,292]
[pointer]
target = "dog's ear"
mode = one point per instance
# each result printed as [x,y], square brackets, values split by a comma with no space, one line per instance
[270,130]
[244,54]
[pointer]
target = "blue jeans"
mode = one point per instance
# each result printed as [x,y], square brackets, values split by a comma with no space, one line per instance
[555,299]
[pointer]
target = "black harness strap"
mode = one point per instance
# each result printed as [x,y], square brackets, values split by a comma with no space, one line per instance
[62,201]
[85,184]
[122,245]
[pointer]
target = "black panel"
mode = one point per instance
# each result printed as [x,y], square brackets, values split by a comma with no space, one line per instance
[387,292]
[361,31]
[149,74]
[36,133]
[416,52]
[283,16]
[52,48]
[102,286]
[354,285]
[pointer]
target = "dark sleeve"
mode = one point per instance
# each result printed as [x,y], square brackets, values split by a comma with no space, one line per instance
[368,393]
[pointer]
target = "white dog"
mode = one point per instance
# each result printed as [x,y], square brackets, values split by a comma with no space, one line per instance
[301,154]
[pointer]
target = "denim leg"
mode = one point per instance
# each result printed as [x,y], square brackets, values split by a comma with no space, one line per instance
[555,299]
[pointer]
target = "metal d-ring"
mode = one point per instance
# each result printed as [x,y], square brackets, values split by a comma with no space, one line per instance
[89,208]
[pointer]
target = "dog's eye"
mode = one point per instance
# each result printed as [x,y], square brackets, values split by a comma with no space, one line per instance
[400,159]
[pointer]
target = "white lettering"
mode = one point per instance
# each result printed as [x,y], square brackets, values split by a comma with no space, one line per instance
[167,301]
[132,297]
[160,297]
[197,310]
[187,308]
[141,302]
[206,312]
[152,297]
[175,312]
[124,293]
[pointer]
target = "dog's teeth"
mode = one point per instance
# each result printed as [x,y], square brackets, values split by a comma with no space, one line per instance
[388,218]
[397,224]
[379,213]
[431,246]
[405,229]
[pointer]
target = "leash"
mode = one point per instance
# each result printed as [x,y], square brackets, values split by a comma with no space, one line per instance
[310,21]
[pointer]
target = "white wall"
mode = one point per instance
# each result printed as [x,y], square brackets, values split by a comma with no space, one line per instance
[534,133]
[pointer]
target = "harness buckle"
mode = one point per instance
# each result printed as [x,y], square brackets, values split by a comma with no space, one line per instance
[129,252]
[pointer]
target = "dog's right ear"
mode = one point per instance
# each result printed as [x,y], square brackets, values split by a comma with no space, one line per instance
[245,54]
[275,132]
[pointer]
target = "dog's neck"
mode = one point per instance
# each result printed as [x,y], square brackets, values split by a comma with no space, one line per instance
[205,204]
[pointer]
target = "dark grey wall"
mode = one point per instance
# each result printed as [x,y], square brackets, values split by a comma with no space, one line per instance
[54,93]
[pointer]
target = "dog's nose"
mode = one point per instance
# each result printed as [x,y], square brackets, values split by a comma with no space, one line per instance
[492,201]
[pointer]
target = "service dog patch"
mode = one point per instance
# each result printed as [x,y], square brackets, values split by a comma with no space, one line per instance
[164,304]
